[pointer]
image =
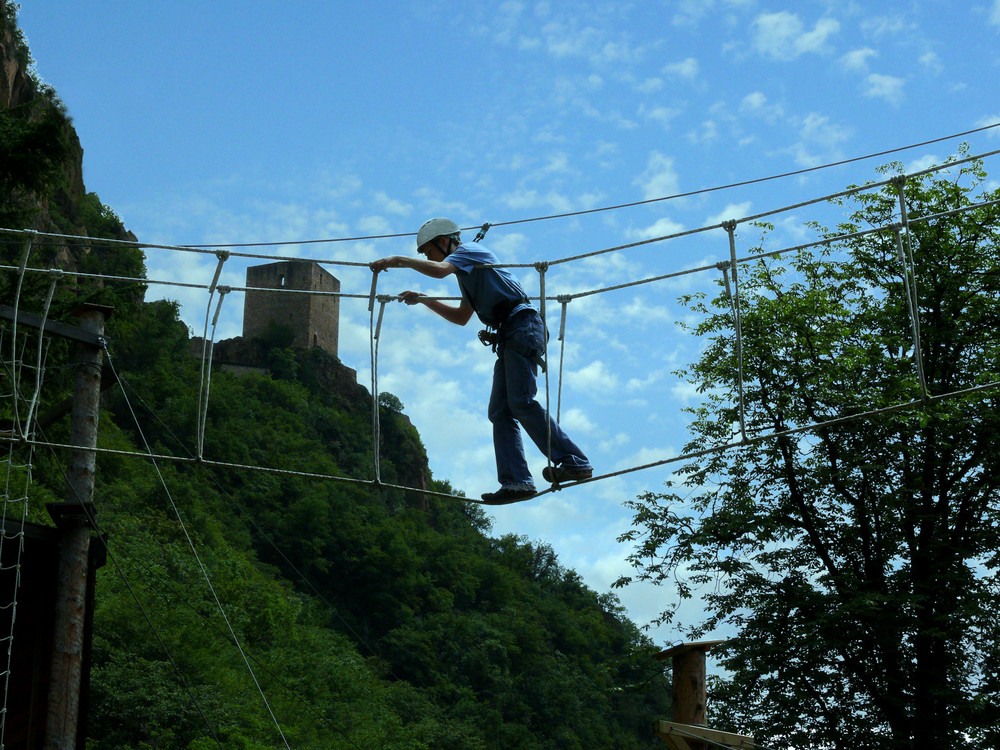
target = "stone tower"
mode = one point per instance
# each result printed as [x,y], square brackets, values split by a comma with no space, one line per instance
[311,319]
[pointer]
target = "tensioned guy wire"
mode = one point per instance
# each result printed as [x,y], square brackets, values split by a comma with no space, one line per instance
[197,558]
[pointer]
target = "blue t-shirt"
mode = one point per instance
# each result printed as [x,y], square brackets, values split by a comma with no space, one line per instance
[494,293]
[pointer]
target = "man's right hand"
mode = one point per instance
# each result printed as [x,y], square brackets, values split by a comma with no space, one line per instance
[410,298]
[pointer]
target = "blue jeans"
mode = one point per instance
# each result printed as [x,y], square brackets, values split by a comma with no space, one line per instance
[513,401]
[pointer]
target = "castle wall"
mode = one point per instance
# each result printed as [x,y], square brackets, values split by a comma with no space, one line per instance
[312,319]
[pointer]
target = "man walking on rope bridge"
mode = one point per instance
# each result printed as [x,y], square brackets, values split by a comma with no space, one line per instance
[517,334]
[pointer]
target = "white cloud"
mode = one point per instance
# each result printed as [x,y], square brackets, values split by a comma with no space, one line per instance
[686,68]
[995,13]
[660,178]
[882,25]
[594,378]
[662,115]
[756,104]
[532,199]
[930,61]
[661,228]
[575,421]
[391,205]
[889,88]
[709,132]
[990,120]
[857,60]
[818,129]
[731,211]
[649,86]
[923,162]
[783,36]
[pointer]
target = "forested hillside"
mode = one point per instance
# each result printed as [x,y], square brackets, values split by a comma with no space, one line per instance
[368,618]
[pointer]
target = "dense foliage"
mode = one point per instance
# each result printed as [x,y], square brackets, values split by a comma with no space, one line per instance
[855,562]
[369,618]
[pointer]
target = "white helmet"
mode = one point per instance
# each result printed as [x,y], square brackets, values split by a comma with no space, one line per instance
[435,228]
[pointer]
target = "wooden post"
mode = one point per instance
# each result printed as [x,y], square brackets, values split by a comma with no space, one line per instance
[74,543]
[690,695]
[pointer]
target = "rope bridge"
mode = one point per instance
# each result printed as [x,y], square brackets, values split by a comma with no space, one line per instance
[217,294]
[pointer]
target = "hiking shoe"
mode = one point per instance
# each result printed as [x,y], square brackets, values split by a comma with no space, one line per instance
[565,473]
[506,495]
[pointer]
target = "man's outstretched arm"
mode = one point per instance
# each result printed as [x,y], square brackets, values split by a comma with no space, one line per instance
[457,314]
[436,269]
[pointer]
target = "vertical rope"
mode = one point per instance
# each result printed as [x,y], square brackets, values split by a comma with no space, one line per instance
[564,301]
[56,274]
[905,253]
[203,417]
[373,335]
[14,370]
[222,256]
[542,268]
[377,419]
[734,302]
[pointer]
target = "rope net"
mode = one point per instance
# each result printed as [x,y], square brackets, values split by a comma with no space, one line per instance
[15,467]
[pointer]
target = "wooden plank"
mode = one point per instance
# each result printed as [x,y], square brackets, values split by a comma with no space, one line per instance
[685,647]
[679,736]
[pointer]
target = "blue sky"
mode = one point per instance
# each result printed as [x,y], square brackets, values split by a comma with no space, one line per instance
[217,123]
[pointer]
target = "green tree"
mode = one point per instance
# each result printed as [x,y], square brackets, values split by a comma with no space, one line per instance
[855,562]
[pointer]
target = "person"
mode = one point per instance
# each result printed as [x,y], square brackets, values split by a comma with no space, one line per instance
[499,300]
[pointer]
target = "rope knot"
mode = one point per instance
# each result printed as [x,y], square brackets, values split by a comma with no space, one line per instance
[729,225]
[542,265]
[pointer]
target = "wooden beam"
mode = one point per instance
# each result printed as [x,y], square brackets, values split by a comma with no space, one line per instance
[679,736]
[54,326]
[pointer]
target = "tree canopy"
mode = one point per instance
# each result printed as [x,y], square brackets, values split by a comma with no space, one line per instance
[854,562]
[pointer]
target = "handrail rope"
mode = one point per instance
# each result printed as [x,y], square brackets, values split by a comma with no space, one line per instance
[840,194]
[249,467]
[103,538]
[222,257]
[205,249]
[617,287]
[203,414]
[833,239]
[632,204]
[754,439]
[431,493]
[41,342]
[542,268]
[734,304]
[197,557]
